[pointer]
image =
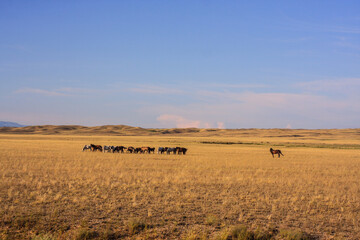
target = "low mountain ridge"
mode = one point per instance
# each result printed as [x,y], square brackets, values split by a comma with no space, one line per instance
[10,124]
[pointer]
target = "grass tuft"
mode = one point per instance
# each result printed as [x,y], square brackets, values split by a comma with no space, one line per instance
[86,234]
[294,235]
[212,220]
[243,233]
[25,222]
[46,236]
[136,226]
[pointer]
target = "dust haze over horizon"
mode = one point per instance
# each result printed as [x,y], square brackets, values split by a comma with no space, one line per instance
[160,64]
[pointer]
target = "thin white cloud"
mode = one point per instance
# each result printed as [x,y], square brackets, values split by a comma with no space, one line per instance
[178,121]
[76,91]
[346,85]
[295,40]
[346,43]
[232,86]
[250,109]
[343,29]
[295,24]
[42,92]
[146,89]
[309,107]
[60,92]
[268,99]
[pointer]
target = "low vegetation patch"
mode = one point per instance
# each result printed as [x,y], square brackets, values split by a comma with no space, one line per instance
[243,233]
[295,235]
[86,234]
[212,220]
[135,226]
[47,236]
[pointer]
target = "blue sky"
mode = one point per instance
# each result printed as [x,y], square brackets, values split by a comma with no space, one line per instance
[218,64]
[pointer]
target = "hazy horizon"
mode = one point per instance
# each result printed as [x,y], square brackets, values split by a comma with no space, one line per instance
[161,64]
[55,125]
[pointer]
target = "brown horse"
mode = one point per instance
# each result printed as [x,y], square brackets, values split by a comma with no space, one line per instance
[278,152]
[96,148]
[145,149]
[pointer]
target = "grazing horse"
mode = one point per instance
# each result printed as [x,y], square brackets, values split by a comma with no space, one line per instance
[138,150]
[96,148]
[181,150]
[171,150]
[278,152]
[108,148]
[130,149]
[151,149]
[144,150]
[86,147]
[119,149]
[161,150]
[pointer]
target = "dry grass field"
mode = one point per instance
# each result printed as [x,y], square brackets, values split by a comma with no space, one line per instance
[228,186]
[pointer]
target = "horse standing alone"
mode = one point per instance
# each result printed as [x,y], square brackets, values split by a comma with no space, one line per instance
[278,152]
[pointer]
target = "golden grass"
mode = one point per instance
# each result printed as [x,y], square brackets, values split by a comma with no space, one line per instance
[50,189]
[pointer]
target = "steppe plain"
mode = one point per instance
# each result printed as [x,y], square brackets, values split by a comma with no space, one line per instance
[228,186]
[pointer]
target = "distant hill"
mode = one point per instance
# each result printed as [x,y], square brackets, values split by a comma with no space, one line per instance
[123,130]
[115,130]
[10,124]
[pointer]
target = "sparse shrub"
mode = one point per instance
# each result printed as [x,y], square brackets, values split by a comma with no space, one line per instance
[265,235]
[223,235]
[63,228]
[241,233]
[27,222]
[85,234]
[192,235]
[46,236]
[136,225]
[212,220]
[294,235]
[108,235]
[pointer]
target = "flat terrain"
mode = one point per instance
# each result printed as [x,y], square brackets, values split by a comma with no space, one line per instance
[228,181]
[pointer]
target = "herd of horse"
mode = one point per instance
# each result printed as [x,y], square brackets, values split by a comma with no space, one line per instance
[161,150]
[122,149]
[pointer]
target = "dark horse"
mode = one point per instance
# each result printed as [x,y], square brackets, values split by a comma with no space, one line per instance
[119,149]
[181,150]
[278,152]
